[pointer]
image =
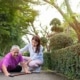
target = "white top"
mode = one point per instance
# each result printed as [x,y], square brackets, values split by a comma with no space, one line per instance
[33,54]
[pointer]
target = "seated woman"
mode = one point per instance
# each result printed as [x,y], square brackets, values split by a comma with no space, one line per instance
[36,54]
[11,60]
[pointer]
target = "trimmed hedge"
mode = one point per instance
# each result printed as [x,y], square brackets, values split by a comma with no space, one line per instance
[59,41]
[67,61]
[47,61]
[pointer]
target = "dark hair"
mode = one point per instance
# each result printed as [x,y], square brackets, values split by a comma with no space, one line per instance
[37,39]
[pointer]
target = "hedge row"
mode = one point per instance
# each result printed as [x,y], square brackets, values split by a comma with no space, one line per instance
[47,61]
[67,61]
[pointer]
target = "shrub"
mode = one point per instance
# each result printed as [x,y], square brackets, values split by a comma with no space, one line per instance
[43,41]
[47,61]
[67,61]
[59,41]
[57,29]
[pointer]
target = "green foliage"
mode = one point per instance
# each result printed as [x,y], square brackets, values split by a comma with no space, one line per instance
[47,61]
[57,29]
[67,61]
[55,22]
[15,17]
[59,41]
[64,8]
[56,25]
[26,54]
[43,41]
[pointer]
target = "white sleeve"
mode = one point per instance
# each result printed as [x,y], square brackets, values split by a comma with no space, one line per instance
[24,49]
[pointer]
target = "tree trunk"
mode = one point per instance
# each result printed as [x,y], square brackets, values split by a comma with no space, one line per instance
[76,26]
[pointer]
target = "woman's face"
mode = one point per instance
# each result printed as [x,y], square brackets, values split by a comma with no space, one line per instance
[15,52]
[34,43]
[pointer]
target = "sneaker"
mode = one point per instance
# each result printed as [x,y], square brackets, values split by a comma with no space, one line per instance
[37,70]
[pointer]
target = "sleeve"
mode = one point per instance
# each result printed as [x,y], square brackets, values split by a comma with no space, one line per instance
[6,62]
[24,49]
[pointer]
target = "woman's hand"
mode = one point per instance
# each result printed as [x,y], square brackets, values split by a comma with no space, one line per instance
[27,71]
[7,74]
[25,67]
[4,69]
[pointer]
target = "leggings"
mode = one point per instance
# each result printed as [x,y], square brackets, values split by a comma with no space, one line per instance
[17,69]
[35,63]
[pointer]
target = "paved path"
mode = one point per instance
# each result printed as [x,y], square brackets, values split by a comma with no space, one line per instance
[35,76]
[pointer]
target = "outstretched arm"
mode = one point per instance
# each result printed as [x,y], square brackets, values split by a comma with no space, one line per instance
[24,49]
[25,67]
[4,69]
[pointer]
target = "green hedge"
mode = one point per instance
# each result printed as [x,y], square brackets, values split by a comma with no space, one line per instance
[26,54]
[67,61]
[47,61]
[59,41]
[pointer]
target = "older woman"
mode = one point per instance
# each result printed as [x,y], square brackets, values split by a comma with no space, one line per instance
[10,62]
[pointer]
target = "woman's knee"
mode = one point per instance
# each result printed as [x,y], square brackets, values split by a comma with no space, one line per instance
[31,64]
[35,63]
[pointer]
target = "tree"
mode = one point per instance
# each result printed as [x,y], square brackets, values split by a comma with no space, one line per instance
[68,15]
[15,17]
[56,25]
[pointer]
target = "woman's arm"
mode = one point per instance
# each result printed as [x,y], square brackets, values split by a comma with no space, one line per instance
[24,49]
[4,69]
[25,67]
[27,59]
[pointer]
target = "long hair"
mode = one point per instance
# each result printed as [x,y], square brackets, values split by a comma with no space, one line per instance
[37,39]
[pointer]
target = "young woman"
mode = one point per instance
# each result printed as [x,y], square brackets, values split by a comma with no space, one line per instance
[10,62]
[36,54]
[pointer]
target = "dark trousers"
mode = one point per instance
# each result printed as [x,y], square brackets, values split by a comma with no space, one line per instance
[17,69]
